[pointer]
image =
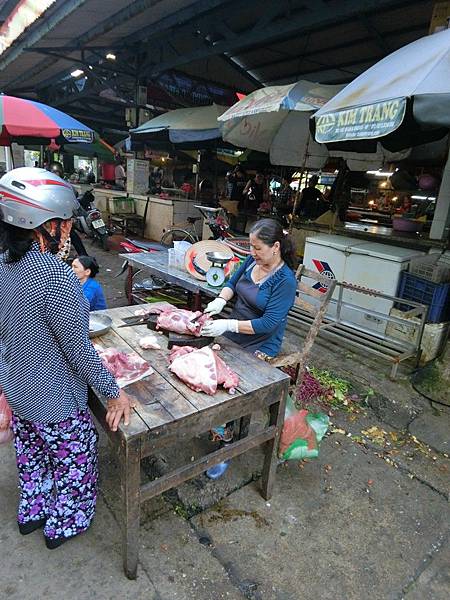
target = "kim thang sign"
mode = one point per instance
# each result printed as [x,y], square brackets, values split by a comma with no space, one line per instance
[78,135]
[362,122]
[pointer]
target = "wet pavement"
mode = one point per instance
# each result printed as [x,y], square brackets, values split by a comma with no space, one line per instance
[368,519]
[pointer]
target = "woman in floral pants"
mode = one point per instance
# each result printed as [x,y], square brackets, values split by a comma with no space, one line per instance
[59,457]
[47,360]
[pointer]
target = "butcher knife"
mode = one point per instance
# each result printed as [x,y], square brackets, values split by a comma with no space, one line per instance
[193,319]
[149,320]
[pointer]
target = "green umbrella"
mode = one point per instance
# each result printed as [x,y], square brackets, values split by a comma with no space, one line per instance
[98,148]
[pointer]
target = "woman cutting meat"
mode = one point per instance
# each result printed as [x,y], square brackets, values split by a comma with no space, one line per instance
[47,360]
[265,288]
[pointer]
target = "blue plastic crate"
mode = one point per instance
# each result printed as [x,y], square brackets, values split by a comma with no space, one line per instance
[435,295]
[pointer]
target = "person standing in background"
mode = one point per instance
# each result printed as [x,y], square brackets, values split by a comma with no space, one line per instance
[312,200]
[119,175]
[257,192]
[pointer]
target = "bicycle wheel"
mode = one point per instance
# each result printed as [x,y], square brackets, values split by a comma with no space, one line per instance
[176,235]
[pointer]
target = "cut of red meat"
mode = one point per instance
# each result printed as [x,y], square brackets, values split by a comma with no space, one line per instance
[179,351]
[197,369]
[225,376]
[201,369]
[179,320]
[126,368]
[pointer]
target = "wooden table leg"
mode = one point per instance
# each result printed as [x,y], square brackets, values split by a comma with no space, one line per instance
[276,417]
[244,426]
[131,488]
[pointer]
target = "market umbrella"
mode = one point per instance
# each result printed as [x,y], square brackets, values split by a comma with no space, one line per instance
[401,101]
[275,120]
[182,125]
[29,122]
[98,148]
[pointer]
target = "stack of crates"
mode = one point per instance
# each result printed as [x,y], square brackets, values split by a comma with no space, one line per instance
[428,282]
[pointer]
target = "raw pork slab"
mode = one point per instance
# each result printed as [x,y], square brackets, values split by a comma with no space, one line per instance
[126,368]
[179,320]
[202,370]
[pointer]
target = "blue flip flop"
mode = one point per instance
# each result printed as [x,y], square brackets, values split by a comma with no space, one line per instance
[218,470]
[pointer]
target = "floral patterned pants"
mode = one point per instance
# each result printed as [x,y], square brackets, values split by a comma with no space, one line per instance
[58,473]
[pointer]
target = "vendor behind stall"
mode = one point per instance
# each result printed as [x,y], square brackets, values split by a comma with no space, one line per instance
[256,192]
[265,288]
[285,197]
[312,203]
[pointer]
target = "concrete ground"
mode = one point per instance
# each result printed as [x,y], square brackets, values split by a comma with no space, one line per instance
[368,519]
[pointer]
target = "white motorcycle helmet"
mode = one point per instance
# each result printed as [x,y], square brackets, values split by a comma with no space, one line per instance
[29,197]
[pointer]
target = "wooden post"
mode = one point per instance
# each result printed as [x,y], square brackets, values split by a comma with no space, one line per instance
[131,488]
[298,194]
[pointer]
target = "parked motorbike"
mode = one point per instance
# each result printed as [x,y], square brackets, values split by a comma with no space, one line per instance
[89,220]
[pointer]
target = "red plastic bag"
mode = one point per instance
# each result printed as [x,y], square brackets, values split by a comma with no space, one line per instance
[296,427]
[302,432]
[6,434]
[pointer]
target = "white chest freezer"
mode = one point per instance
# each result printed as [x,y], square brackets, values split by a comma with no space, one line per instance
[366,264]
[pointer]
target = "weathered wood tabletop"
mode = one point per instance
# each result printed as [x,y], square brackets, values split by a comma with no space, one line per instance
[168,412]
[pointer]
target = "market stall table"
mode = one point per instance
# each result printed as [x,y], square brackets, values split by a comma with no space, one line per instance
[168,412]
[157,264]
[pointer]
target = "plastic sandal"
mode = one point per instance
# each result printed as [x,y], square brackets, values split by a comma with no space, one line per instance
[217,471]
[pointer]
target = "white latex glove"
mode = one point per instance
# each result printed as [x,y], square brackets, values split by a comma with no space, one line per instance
[215,307]
[219,327]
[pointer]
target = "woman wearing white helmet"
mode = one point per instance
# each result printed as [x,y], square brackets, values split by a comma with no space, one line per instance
[47,361]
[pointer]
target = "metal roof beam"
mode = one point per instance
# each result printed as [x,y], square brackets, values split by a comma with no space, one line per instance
[270,13]
[342,68]
[176,20]
[118,18]
[256,83]
[375,34]
[286,58]
[85,63]
[304,20]
[38,29]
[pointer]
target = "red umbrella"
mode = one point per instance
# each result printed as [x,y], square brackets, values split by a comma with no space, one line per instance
[26,121]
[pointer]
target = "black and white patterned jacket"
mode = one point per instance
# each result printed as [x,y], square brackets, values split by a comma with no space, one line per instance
[47,360]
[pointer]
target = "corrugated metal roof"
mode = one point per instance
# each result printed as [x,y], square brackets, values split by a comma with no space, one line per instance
[237,44]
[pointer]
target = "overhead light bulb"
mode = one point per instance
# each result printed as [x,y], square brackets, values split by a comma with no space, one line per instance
[77,72]
[111,56]
[380,173]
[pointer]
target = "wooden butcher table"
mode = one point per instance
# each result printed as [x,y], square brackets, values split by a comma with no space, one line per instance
[169,413]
